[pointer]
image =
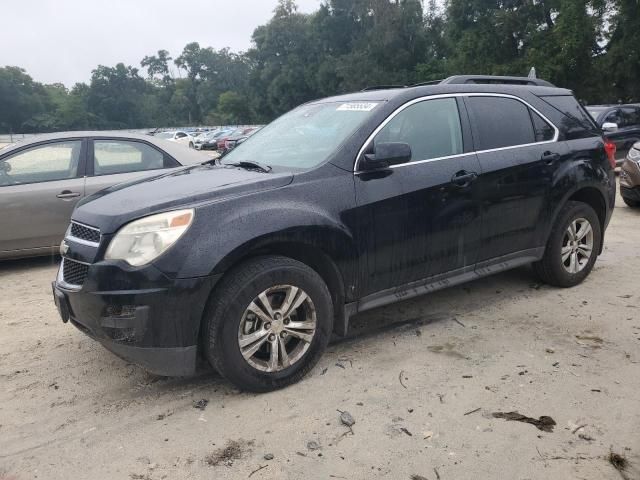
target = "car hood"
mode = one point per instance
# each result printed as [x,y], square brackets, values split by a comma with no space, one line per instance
[112,207]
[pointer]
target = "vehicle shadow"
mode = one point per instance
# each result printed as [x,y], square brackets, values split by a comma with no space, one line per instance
[442,306]
[24,264]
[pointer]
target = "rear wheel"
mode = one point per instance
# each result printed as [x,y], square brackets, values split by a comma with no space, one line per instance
[268,323]
[630,202]
[572,248]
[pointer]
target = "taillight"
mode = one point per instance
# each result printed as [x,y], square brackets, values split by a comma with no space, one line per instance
[610,148]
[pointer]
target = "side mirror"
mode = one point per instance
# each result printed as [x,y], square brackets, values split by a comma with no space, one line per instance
[609,126]
[385,155]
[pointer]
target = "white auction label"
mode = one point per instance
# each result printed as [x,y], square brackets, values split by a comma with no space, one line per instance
[357,107]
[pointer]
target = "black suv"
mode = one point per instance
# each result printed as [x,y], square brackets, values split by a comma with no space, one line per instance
[342,205]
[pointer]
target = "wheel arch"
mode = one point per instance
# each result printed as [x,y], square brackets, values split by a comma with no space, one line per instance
[323,258]
[592,196]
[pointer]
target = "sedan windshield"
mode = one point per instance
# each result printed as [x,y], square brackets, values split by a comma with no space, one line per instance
[304,137]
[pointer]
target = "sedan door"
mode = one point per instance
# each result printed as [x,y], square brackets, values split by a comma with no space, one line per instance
[39,188]
[422,218]
[116,160]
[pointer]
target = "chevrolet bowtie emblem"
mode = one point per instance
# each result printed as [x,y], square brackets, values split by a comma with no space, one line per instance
[64,248]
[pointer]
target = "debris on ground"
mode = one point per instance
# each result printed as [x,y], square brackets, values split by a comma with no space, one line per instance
[586,437]
[268,456]
[313,445]
[257,470]
[406,431]
[201,404]
[543,423]
[232,451]
[347,419]
[418,477]
[472,411]
[618,461]
[400,378]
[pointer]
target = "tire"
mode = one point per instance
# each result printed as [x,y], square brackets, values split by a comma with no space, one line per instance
[631,203]
[552,269]
[229,310]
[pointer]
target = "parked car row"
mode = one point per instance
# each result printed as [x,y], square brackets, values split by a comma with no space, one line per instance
[621,124]
[224,139]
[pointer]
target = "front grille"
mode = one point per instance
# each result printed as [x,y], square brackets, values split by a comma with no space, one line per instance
[85,233]
[74,273]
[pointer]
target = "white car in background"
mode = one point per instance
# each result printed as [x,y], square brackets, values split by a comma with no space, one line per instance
[177,136]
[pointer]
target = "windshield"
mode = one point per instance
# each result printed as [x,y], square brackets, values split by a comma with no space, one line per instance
[164,135]
[304,137]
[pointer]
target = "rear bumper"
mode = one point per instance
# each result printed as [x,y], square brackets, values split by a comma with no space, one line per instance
[143,317]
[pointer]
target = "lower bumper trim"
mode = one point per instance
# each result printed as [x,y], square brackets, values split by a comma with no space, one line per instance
[169,362]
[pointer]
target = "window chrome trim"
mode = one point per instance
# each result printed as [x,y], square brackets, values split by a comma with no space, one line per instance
[454,95]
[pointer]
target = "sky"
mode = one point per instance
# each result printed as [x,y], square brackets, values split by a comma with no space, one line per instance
[63,40]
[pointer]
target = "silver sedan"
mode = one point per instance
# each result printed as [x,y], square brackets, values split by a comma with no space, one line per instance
[43,178]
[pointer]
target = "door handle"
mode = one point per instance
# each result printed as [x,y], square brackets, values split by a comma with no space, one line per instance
[550,157]
[463,178]
[67,194]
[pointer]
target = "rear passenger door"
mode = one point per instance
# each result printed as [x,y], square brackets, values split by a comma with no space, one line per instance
[112,161]
[519,156]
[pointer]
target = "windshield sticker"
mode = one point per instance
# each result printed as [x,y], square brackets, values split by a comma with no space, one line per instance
[357,107]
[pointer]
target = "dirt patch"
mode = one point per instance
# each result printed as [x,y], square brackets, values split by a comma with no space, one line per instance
[227,455]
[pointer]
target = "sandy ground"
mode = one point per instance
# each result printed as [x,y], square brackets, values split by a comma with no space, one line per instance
[421,379]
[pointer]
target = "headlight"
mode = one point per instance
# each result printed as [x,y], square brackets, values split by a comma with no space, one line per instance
[634,155]
[143,240]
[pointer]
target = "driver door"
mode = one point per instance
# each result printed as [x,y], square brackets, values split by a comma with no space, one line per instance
[421,218]
[39,188]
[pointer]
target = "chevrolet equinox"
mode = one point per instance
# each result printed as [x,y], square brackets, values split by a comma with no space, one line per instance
[339,206]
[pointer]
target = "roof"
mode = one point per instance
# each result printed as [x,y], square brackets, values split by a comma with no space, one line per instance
[183,154]
[380,95]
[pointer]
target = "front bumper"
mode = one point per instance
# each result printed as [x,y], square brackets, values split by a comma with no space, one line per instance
[141,315]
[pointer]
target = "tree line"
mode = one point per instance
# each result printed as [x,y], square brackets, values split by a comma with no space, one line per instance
[589,46]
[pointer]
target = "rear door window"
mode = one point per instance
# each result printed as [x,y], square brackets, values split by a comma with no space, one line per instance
[543,130]
[500,122]
[431,128]
[42,163]
[124,156]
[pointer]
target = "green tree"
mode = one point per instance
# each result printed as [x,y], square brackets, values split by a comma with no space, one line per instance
[115,97]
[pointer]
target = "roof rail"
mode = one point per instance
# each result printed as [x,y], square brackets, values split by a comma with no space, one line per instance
[382,87]
[494,79]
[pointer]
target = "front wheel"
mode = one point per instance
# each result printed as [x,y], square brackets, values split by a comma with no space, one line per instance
[268,323]
[573,246]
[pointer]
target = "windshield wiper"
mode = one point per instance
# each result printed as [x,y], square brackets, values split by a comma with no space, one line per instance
[250,165]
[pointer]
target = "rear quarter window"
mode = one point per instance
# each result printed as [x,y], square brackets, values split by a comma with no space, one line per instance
[575,121]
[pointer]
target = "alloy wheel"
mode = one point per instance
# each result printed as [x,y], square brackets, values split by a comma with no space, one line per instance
[577,245]
[277,328]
